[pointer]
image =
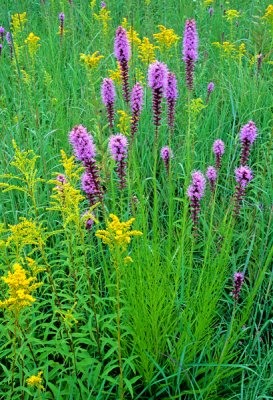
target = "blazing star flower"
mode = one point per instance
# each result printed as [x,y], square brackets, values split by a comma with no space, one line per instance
[108,95]
[82,143]
[196,192]
[190,50]
[248,135]
[2,31]
[166,154]
[118,146]
[171,97]
[210,89]
[218,149]
[136,106]
[212,176]
[157,80]
[238,280]
[243,176]
[123,53]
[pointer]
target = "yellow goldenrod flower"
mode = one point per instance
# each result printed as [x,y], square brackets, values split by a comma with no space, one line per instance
[26,77]
[147,51]
[92,4]
[116,74]
[103,17]
[34,268]
[20,288]
[196,106]
[165,38]
[124,122]
[133,36]
[124,23]
[241,51]
[91,60]
[140,77]
[25,233]
[32,43]
[18,22]
[208,2]
[117,234]
[269,13]
[227,48]
[68,316]
[36,381]
[230,15]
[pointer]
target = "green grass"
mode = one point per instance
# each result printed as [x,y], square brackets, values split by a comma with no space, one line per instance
[182,335]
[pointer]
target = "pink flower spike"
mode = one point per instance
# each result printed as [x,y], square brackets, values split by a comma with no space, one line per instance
[190,50]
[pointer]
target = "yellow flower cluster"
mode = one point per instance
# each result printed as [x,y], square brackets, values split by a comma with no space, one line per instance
[18,22]
[26,77]
[20,289]
[133,36]
[230,15]
[116,74]
[124,122]
[147,51]
[91,60]
[229,49]
[103,17]
[269,13]
[165,38]
[25,233]
[117,234]
[196,106]
[32,44]
[36,381]
[208,2]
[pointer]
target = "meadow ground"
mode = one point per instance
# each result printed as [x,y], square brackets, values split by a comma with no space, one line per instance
[128,271]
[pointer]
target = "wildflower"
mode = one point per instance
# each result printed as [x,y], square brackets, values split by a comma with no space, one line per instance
[108,97]
[26,232]
[171,97]
[36,381]
[118,146]
[147,51]
[241,51]
[83,144]
[208,2]
[212,176]
[228,48]
[166,154]
[259,62]
[123,54]
[9,42]
[115,75]
[165,38]
[103,4]
[89,220]
[238,279]
[117,234]
[196,192]
[62,179]
[1,47]
[230,15]
[92,4]
[104,18]
[2,31]
[136,106]
[248,135]
[210,89]
[91,60]
[196,106]
[32,43]
[61,26]
[269,13]
[190,50]
[211,11]
[124,122]
[20,289]
[85,151]
[157,79]
[218,150]
[133,36]
[243,176]
[18,22]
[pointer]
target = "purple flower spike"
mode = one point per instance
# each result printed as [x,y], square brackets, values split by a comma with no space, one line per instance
[212,176]
[136,106]
[62,179]
[82,143]
[61,17]
[211,11]
[108,95]
[190,50]
[89,222]
[248,135]
[103,4]
[243,176]
[9,42]
[238,280]
[210,90]
[171,96]
[2,31]
[157,79]
[123,53]
[166,154]
[218,149]
[85,151]
[1,47]
[196,192]
[118,146]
